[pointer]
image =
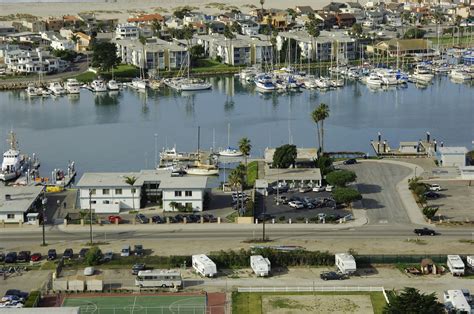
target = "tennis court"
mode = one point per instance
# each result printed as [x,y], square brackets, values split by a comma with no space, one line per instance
[139,304]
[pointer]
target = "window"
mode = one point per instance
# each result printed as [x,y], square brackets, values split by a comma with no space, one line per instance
[106,202]
[10,216]
[118,191]
[92,191]
[93,202]
[188,206]
[134,190]
[188,193]
[105,191]
[177,193]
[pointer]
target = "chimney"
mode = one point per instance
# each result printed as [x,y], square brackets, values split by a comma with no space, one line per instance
[380,137]
[428,135]
[442,144]
[384,146]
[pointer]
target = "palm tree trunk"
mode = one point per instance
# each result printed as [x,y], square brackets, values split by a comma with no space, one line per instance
[133,200]
[322,136]
[319,138]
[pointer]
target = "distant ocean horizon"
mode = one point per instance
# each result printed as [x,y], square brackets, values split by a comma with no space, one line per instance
[49,1]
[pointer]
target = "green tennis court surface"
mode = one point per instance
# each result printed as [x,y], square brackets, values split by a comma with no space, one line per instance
[130,304]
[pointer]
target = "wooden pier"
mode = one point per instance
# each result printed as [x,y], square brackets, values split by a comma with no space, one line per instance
[420,148]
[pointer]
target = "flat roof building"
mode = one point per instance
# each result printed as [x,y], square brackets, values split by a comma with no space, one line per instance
[452,156]
[17,201]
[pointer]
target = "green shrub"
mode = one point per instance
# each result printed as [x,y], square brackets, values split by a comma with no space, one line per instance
[282,218]
[33,299]
[93,256]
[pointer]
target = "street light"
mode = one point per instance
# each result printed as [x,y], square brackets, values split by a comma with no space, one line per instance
[90,213]
[44,201]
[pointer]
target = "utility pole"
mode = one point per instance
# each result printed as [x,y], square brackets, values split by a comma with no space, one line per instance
[44,202]
[90,218]
[263,216]
[156,150]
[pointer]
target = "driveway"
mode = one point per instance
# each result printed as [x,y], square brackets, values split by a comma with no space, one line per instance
[377,182]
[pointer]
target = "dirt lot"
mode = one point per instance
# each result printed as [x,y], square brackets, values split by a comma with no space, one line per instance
[456,201]
[27,281]
[317,304]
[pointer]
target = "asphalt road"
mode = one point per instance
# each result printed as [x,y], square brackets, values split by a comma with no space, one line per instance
[377,184]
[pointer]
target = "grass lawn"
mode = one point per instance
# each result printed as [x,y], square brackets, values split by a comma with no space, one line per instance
[252,173]
[123,71]
[251,303]
[448,40]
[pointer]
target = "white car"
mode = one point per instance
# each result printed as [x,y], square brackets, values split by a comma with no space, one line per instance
[89,271]
[319,188]
[329,188]
[435,187]
[296,204]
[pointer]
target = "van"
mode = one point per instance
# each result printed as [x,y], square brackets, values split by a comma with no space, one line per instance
[125,251]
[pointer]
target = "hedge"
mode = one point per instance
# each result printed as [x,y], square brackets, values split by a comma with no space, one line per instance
[33,299]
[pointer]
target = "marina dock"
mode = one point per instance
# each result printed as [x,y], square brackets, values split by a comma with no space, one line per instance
[420,148]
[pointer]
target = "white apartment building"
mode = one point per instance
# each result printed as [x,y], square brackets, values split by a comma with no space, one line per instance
[25,61]
[249,27]
[58,42]
[127,31]
[108,192]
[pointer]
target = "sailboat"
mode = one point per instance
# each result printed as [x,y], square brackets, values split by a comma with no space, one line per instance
[200,169]
[181,83]
[230,151]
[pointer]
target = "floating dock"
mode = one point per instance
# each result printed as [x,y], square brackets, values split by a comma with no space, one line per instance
[420,148]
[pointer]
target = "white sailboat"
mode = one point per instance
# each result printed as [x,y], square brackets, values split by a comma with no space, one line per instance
[230,151]
[12,161]
[181,83]
[32,91]
[56,88]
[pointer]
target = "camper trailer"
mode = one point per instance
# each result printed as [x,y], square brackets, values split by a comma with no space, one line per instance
[204,265]
[456,301]
[346,263]
[260,265]
[455,265]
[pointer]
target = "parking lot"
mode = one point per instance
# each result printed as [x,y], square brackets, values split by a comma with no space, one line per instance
[456,200]
[283,212]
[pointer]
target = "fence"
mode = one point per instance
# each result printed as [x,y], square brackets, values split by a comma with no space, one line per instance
[399,259]
[175,309]
[314,289]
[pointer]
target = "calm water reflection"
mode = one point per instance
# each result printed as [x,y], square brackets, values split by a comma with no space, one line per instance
[115,132]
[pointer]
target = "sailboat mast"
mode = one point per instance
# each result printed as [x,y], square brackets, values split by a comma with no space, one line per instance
[228,134]
[189,63]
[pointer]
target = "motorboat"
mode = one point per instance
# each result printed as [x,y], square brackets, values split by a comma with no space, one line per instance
[154,84]
[310,83]
[248,74]
[230,152]
[337,83]
[323,83]
[194,85]
[32,91]
[373,79]
[56,88]
[13,162]
[112,85]
[200,169]
[171,153]
[387,76]
[98,86]
[264,83]
[138,83]
[460,74]
[422,74]
[73,86]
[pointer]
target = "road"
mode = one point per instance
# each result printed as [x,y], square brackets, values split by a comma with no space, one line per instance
[377,183]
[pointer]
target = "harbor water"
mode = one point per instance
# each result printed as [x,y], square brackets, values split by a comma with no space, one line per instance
[116,131]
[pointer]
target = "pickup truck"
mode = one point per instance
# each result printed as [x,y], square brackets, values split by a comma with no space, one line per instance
[424,231]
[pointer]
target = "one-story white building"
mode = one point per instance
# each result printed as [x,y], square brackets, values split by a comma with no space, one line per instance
[452,156]
[109,193]
[16,201]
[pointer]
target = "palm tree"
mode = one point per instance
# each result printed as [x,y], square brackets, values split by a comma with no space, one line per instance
[236,180]
[262,2]
[229,35]
[131,181]
[156,25]
[143,59]
[319,114]
[312,27]
[245,147]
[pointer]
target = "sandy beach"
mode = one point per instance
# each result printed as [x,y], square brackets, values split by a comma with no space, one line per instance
[122,9]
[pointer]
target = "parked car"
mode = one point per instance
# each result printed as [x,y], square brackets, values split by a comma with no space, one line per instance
[319,188]
[296,204]
[304,189]
[2,257]
[52,255]
[138,267]
[179,218]
[172,219]
[332,275]
[157,220]
[309,205]
[24,256]
[431,194]
[329,188]
[68,254]
[282,199]
[138,250]
[12,298]
[89,271]
[35,257]
[141,218]
[209,218]
[115,218]
[350,161]
[125,251]
[18,293]
[83,252]
[265,217]
[424,231]
[108,256]
[11,257]
[434,187]
[193,218]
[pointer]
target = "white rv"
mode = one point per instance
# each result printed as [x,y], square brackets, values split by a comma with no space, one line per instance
[456,301]
[204,265]
[455,265]
[260,265]
[346,263]
[470,261]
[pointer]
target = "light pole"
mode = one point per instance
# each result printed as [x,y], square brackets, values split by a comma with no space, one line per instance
[415,170]
[156,150]
[44,202]
[90,213]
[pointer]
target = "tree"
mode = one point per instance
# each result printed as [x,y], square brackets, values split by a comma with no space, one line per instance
[262,2]
[197,52]
[324,163]
[181,13]
[131,181]
[236,181]
[229,35]
[346,195]
[68,55]
[410,300]
[236,28]
[357,29]
[74,38]
[142,41]
[292,13]
[156,26]
[285,156]
[414,33]
[104,56]
[173,205]
[341,178]
[93,256]
[245,147]
[320,114]
[430,211]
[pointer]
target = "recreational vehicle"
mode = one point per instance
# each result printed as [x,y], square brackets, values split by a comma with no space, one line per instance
[470,261]
[159,278]
[346,263]
[204,265]
[260,265]
[456,301]
[455,265]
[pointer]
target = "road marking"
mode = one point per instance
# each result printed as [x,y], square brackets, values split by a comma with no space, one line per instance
[383,221]
[134,302]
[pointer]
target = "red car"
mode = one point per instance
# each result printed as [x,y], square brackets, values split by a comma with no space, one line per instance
[114,218]
[35,257]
